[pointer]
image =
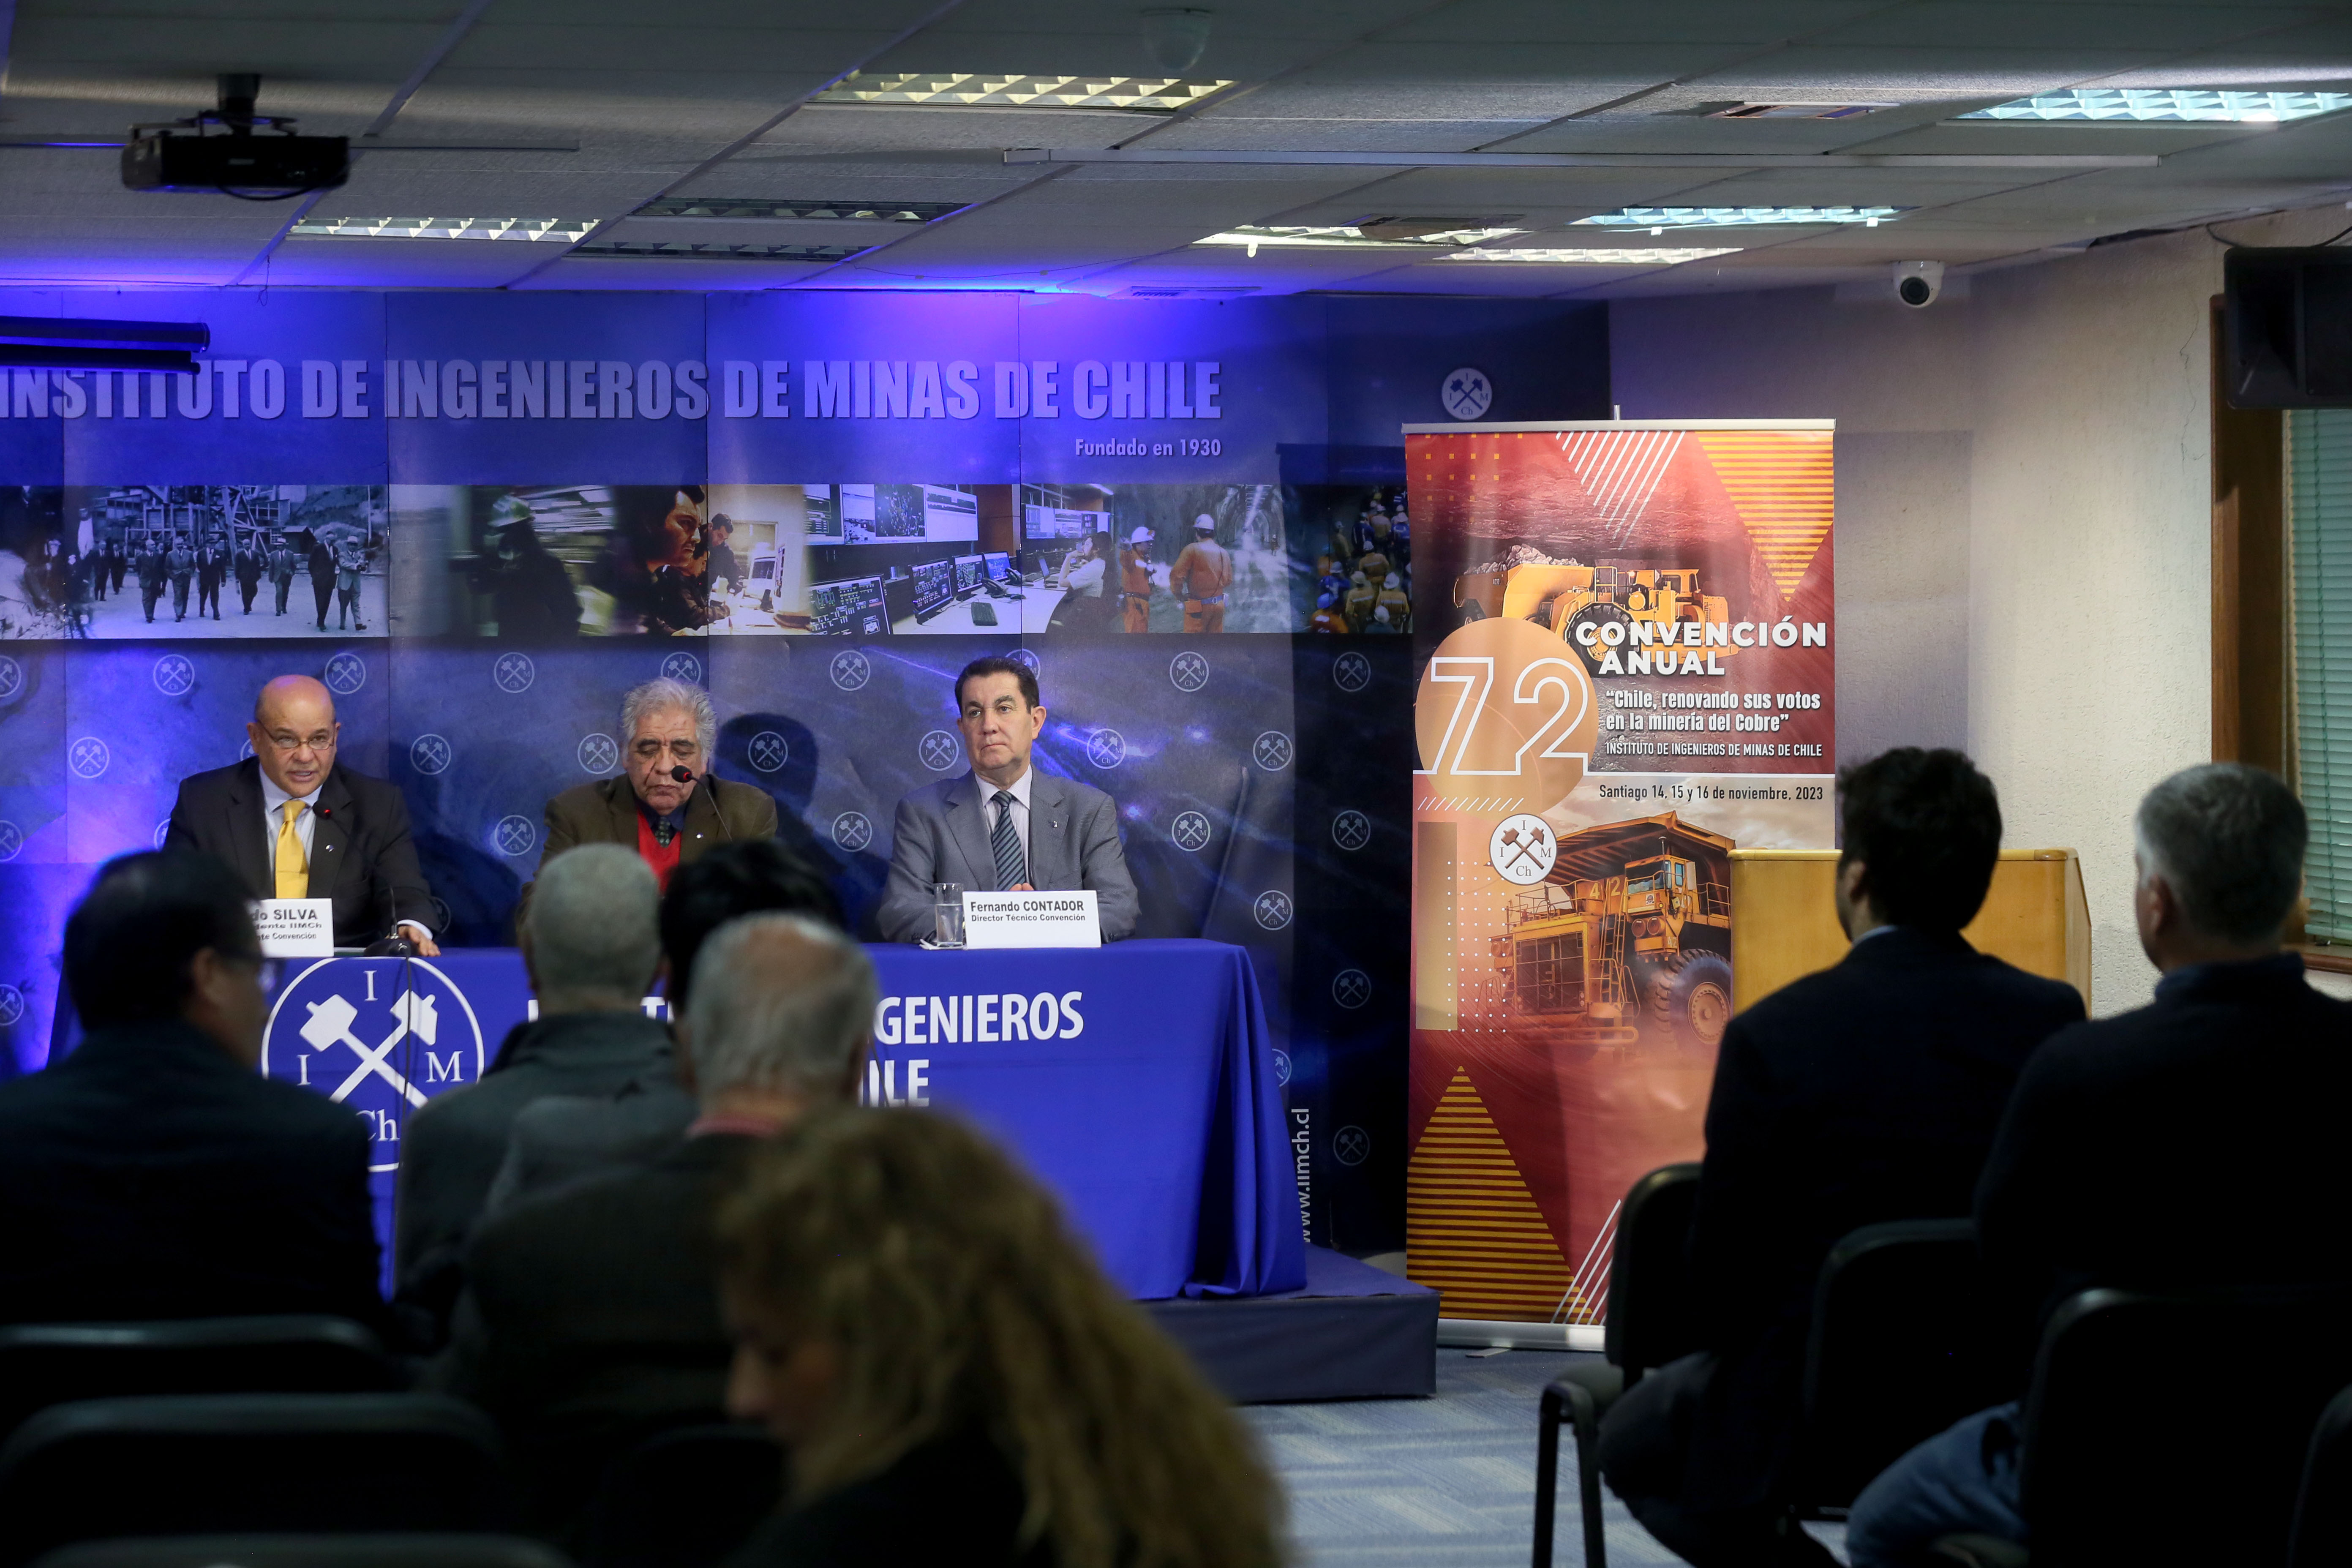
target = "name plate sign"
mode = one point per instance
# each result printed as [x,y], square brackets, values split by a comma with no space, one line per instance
[295,928]
[1031,920]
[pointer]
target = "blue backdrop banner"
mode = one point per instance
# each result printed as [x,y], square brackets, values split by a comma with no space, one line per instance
[480,518]
[1137,1080]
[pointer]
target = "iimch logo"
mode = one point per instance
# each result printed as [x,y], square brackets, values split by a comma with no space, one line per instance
[1522,849]
[379,1035]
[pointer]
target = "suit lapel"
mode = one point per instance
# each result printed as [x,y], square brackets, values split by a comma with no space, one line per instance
[1049,812]
[621,802]
[330,836]
[967,827]
[704,830]
[248,830]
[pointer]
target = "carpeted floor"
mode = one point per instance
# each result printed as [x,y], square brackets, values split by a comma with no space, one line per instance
[1441,1481]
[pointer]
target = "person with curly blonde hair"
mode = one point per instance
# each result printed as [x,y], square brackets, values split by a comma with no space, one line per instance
[954,1377]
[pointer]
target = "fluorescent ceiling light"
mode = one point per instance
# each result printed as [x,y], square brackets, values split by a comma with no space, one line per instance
[567,230]
[1796,110]
[1624,258]
[996,89]
[1657,220]
[2176,105]
[724,252]
[765,208]
[1345,237]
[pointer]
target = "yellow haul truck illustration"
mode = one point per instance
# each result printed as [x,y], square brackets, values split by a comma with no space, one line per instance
[1635,916]
[1567,595]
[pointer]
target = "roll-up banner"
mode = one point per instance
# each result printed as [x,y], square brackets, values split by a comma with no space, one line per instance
[1629,640]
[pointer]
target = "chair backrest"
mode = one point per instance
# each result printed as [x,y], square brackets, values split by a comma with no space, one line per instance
[247,1463]
[2323,1511]
[43,1365]
[684,1499]
[1652,1307]
[1896,1351]
[2134,1453]
[309,1552]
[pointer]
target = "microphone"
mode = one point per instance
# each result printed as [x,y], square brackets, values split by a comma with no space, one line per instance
[682,773]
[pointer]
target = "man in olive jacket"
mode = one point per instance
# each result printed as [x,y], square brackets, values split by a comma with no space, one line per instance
[670,728]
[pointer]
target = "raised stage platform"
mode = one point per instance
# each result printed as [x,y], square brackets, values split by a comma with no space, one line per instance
[1353,1333]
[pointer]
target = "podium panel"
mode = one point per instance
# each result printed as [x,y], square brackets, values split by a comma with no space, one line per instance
[1784,924]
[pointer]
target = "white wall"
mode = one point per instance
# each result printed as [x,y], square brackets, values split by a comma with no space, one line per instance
[2024,515]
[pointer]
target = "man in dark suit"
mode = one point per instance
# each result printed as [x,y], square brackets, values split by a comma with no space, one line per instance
[248,573]
[281,572]
[1867,1093]
[212,567]
[152,1173]
[591,1316]
[294,823]
[182,565]
[669,728]
[592,949]
[153,573]
[1004,826]
[2120,1160]
[565,1137]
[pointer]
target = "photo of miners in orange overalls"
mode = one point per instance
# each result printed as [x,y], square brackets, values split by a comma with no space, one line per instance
[1201,574]
[1135,582]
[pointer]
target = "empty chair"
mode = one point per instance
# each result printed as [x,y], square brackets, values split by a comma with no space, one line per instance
[309,1552]
[2125,1460]
[1896,1352]
[252,1463]
[684,1499]
[1652,1320]
[43,1365]
[2323,1513]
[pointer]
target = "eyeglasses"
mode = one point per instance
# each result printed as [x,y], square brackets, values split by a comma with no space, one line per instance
[324,741]
[684,751]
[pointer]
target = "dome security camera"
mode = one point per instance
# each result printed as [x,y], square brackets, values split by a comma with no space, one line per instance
[1918,284]
[1175,36]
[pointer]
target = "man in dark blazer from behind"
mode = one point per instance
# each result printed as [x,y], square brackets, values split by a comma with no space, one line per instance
[591,1318]
[668,727]
[2130,1148]
[153,1174]
[1867,1093]
[1004,826]
[347,835]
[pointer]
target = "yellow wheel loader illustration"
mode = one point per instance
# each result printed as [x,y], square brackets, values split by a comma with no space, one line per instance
[1568,595]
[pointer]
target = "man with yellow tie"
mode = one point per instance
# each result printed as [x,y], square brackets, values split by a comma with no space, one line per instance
[297,825]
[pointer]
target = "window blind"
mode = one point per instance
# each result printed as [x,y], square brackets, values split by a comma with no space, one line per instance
[2319,500]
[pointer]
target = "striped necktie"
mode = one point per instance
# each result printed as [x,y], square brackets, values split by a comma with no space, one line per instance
[1005,840]
[292,868]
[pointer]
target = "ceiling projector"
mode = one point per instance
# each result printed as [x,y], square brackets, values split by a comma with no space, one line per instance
[190,155]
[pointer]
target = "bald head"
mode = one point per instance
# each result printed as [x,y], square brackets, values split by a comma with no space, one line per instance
[294,732]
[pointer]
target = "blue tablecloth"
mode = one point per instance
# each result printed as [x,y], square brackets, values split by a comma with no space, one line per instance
[1137,1080]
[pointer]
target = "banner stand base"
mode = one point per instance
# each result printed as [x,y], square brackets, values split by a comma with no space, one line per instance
[1478,1333]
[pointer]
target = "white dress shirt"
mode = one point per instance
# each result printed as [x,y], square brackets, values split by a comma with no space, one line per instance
[273,816]
[1018,789]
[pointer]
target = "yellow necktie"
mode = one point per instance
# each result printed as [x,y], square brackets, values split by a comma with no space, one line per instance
[293,870]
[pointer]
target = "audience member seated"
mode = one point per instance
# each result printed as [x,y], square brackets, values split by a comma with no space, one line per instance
[591,1314]
[954,1377]
[2194,1143]
[565,1137]
[592,949]
[1867,1093]
[153,1174]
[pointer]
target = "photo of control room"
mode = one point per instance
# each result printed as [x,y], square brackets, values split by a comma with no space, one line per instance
[908,560]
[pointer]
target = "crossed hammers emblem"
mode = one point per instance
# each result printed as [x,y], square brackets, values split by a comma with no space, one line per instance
[1522,847]
[331,1022]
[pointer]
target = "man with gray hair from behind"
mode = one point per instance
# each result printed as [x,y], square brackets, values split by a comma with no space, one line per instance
[590,1315]
[592,946]
[2125,1157]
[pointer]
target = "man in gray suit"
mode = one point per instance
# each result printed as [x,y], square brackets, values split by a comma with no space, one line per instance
[1004,826]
